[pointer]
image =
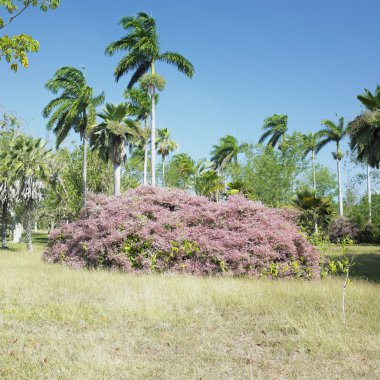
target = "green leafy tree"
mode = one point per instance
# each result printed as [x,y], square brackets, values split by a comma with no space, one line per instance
[275,127]
[165,147]
[334,132]
[15,49]
[142,46]
[9,186]
[111,136]
[269,175]
[74,109]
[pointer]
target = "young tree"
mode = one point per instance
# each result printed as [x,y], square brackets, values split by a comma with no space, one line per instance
[143,51]
[164,148]
[110,137]
[334,132]
[15,48]
[74,109]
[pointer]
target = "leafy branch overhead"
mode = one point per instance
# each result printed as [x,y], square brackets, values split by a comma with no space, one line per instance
[14,49]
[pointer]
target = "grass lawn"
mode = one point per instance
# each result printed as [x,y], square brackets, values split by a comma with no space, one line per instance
[58,323]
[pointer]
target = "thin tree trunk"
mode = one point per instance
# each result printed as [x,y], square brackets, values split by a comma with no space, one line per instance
[28,227]
[4,226]
[146,155]
[153,142]
[116,178]
[163,171]
[84,170]
[369,195]
[314,177]
[340,196]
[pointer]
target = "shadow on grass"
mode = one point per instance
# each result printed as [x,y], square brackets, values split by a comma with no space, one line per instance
[366,265]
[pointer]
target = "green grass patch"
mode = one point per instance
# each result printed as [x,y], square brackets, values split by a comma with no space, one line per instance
[59,323]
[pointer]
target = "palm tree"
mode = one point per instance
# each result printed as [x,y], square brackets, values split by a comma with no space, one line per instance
[143,51]
[275,127]
[165,147]
[74,109]
[371,103]
[226,152]
[311,140]
[110,137]
[140,145]
[140,106]
[32,170]
[333,132]
[317,211]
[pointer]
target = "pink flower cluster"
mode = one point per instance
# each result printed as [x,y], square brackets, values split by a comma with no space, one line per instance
[154,229]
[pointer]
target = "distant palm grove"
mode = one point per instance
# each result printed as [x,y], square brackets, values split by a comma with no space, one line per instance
[43,187]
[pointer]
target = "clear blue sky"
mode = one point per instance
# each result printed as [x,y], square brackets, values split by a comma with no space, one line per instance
[308,59]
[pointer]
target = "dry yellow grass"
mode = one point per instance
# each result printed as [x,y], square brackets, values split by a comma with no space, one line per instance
[58,323]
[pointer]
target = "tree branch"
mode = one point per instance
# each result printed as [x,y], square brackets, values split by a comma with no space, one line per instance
[16,15]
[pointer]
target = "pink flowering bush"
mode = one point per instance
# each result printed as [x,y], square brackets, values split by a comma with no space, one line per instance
[160,230]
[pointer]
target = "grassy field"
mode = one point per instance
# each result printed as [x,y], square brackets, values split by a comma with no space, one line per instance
[58,323]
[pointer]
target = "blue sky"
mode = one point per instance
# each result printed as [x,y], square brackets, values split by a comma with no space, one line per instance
[308,59]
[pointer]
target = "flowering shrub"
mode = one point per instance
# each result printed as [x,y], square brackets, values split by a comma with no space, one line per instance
[160,230]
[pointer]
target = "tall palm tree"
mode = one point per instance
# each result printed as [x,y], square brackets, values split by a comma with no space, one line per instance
[74,109]
[311,140]
[226,152]
[165,147]
[333,132]
[110,137]
[371,103]
[140,106]
[274,127]
[142,46]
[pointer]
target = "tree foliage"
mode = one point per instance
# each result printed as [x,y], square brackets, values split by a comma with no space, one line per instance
[15,49]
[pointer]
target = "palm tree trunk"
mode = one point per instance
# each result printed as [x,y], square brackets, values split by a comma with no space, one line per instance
[4,226]
[314,177]
[153,142]
[116,178]
[369,195]
[163,171]
[146,155]
[84,170]
[340,196]
[28,227]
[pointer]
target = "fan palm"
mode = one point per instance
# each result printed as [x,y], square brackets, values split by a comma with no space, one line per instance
[274,127]
[165,147]
[74,109]
[111,135]
[32,171]
[333,132]
[142,46]
[317,211]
